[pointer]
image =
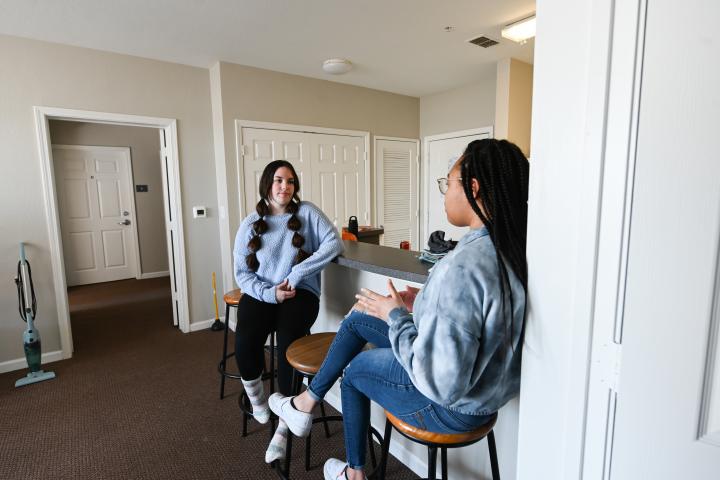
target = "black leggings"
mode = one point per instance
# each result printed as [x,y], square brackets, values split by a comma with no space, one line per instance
[290,320]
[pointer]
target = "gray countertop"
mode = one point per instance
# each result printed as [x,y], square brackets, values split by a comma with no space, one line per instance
[388,261]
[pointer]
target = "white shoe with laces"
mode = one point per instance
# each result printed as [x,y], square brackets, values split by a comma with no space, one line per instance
[298,422]
[335,469]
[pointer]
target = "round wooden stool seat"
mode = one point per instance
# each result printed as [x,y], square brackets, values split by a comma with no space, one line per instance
[233,297]
[441,438]
[306,354]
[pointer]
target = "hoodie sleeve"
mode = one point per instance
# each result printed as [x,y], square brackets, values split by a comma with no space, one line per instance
[246,279]
[440,355]
[330,246]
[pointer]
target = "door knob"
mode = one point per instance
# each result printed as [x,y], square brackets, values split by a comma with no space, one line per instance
[124,222]
[125,213]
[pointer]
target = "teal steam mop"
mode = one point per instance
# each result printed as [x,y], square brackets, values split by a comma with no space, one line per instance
[27,304]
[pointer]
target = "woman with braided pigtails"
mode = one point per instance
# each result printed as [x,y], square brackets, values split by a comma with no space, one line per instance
[280,250]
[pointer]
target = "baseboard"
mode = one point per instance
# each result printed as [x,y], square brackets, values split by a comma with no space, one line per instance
[397,445]
[202,325]
[21,363]
[144,276]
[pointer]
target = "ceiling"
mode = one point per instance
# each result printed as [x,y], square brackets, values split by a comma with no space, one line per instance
[396,45]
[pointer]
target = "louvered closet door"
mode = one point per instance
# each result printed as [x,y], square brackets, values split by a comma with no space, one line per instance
[262,146]
[397,191]
[339,177]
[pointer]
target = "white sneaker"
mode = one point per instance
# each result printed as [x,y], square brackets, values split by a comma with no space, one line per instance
[298,422]
[334,469]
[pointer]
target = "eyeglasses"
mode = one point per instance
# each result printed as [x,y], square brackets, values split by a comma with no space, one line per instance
[443,183]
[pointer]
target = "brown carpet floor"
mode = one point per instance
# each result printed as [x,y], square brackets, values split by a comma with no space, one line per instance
[138,400]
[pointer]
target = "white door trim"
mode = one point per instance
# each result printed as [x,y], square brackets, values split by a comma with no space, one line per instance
[379,195]
[169,126]
[222,178]
[131,193]
[425,161]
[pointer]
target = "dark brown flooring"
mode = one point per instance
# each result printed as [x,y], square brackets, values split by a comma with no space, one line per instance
[138,400]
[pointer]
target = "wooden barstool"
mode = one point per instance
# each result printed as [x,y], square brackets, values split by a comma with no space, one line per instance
[306,355]
[443,441]
[232,299]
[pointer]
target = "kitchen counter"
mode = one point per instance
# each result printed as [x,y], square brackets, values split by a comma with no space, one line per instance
[387,261]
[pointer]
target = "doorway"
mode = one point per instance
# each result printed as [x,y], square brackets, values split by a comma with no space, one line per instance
[172,217]
[440,153]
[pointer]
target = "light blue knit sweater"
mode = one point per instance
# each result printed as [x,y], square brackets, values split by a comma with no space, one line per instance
[276,255]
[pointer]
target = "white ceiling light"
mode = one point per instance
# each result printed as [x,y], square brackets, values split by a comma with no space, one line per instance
[337,66]
[521,30]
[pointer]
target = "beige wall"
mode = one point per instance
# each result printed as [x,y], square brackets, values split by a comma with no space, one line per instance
[471,106]
[44,74]
[144,146]
[513,110]
[247,93]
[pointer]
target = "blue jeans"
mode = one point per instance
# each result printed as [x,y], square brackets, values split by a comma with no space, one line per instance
[377,375]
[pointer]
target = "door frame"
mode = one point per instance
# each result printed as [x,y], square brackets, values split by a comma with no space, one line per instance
[172,194]
[128,158]
[425,162]
[379,197]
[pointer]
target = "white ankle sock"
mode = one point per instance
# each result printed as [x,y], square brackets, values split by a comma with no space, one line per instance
[278,445]
[256,393]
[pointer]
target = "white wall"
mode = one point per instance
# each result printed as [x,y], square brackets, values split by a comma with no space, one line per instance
[564,182]
[34,73]
[144,144]
[470,106]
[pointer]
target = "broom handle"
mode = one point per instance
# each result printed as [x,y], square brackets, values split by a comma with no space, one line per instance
[217,317]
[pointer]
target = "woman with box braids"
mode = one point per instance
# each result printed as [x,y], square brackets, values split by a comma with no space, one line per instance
[449,360]
[502,171]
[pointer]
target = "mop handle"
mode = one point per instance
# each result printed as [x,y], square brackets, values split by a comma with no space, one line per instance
[215,296]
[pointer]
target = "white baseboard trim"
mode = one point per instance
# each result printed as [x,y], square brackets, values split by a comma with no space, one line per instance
[397,445]
[144,276]
[21,363]
[204,324]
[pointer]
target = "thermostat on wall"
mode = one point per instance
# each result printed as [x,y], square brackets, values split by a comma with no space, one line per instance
[199,212]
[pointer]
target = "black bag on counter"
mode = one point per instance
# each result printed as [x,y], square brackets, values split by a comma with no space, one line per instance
[438,244]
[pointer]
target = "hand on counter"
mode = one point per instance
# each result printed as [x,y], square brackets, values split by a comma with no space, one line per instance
[377,305]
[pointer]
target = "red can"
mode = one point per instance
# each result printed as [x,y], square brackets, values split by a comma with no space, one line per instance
[405,245]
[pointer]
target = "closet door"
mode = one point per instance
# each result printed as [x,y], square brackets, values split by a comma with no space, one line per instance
[261,146]
[339,177]
[396,190]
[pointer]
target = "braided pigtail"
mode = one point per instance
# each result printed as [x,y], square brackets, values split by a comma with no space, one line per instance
[294,225]
[259,227]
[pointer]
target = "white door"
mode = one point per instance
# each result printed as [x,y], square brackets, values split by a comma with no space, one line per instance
[262,146]
[339,177]
[97,213]
[441,152]
[668,405]
[332,169]
[397,190]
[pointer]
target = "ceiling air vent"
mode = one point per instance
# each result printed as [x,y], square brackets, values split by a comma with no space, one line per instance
[483,41]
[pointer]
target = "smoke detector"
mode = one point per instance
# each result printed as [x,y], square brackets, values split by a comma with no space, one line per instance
[337,66]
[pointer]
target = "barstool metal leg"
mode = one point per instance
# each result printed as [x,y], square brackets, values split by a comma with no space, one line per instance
[493,456]
[371,447]
[432,462]
[224,353]
[384,452]
[443,463]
